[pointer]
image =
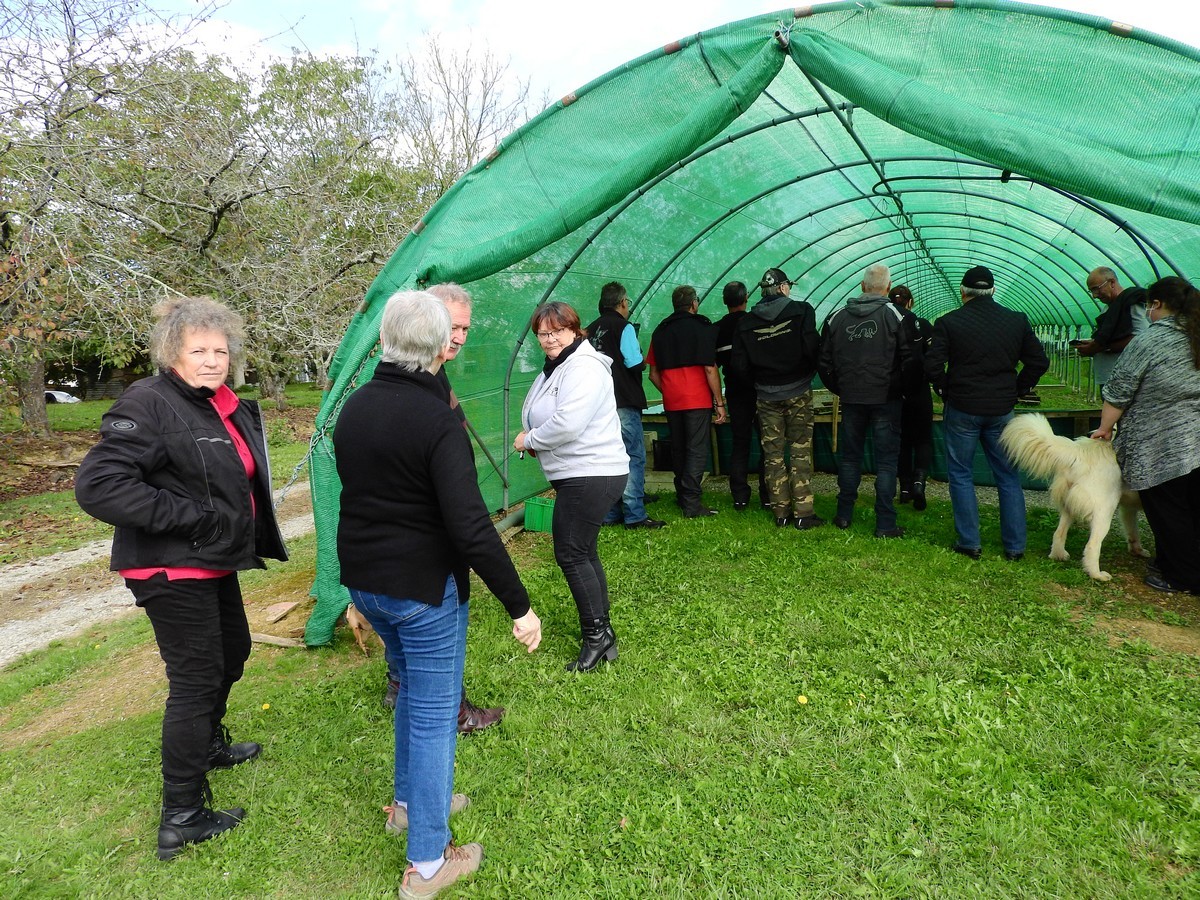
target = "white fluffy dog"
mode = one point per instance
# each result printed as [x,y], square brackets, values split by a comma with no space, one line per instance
[1086,485]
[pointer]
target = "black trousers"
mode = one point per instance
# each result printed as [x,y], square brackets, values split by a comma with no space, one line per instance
[689,454]
[580,505]
[916,437]
[1173,511]
[743,415]
[204,640]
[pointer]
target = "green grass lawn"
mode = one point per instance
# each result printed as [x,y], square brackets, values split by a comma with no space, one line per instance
[792,715]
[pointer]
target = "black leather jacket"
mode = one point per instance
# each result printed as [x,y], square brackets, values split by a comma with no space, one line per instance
[168,476]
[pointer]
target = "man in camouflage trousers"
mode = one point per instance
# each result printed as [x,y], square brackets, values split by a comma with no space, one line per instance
[775,347]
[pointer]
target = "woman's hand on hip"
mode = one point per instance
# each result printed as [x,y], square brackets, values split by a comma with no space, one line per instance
[528,630]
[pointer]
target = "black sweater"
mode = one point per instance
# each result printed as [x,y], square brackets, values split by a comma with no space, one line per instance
[411,510]
[972,361]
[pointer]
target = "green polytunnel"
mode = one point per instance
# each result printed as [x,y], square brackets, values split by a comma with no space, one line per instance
[930,135]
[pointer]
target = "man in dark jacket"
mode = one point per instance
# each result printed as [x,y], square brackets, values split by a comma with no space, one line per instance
[1123,317]
[775,347]
[866,352]
[739,395]
[683,366]
[614,336]
[972,365]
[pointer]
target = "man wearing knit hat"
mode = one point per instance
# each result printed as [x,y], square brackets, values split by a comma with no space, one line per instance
[972,364]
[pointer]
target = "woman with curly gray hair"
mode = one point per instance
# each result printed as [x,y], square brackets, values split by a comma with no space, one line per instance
[181,471]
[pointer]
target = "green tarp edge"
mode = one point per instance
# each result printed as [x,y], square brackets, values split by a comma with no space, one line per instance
[706,121]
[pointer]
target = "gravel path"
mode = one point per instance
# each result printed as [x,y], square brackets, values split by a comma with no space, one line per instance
[56,596]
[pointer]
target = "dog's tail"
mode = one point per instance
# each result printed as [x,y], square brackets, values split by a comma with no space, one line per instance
[1035,448]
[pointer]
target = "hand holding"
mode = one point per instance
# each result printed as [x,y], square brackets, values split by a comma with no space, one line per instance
[1102,434]
[528,630]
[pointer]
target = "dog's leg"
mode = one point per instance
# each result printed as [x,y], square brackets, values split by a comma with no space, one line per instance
[1129,510]
[1058,546]
[1101,523]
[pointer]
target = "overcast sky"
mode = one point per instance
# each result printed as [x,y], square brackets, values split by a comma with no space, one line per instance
[557,46]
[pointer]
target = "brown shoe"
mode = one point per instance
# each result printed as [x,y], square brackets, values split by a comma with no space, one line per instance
[397,820]
[461,862]
[471,718]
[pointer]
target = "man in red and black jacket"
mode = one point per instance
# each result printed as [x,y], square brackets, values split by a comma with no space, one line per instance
[683,366]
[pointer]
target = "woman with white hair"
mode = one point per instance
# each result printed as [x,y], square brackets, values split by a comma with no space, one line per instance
[413,523]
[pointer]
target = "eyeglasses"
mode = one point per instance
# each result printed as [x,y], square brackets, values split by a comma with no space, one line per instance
[1095,291]
[548,335]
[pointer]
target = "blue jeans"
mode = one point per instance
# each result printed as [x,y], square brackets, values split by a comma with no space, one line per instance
[428,644]
[884,421]
[579,507]
[632,505]
[963,433]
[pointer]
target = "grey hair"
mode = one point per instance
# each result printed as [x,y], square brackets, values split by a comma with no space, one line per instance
[414,330]
[971,293]
[449,292]
[876,279]
[177,316]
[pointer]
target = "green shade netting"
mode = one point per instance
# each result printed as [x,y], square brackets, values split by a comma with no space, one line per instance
[928,135]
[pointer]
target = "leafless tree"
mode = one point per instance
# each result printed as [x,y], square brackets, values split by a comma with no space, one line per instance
[456,105]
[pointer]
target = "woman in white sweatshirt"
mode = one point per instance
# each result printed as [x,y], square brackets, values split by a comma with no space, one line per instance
[571,426]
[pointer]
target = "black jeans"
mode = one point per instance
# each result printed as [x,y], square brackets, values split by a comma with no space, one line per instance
[204,640]
[580,505]
[883,421]
[689,453]
[916,437]
[743,415]
[1173,513]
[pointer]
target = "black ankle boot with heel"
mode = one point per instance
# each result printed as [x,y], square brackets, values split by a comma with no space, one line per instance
[599,642]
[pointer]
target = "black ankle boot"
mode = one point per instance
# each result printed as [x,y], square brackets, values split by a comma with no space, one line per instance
[599,642]
[223,755]
[188,819]
[918,490]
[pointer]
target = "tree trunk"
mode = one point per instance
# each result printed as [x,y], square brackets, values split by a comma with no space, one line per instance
[31,393]
[272,387]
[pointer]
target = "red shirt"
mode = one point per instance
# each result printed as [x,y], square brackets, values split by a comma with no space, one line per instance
[685,387]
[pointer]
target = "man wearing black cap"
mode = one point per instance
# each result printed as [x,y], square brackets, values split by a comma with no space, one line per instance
[775,346]
[972,365]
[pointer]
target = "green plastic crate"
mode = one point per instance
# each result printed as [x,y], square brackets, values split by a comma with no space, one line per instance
[539,513]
